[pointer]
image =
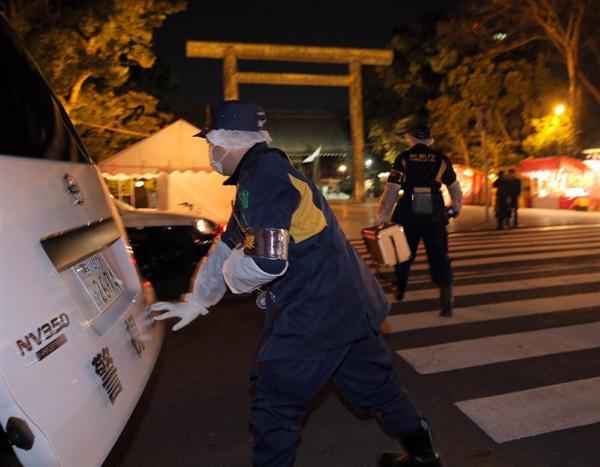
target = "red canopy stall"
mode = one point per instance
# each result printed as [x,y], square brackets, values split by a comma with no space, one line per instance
[558,182]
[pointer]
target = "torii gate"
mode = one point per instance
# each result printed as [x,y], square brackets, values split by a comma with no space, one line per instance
[231,52]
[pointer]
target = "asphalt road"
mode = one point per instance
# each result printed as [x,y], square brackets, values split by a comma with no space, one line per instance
[512,379]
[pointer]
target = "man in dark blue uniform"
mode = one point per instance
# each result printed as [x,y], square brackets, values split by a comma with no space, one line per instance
[324,308]
[420,172]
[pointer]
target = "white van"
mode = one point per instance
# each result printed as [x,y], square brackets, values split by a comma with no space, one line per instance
[76,346]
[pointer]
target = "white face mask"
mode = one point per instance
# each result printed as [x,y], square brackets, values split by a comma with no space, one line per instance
[217,155]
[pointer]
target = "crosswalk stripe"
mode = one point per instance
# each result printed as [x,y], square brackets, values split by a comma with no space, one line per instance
[510,246]
[502,348]
[502,286]
[518,242]
[513,258]
[484,263]
[485,235]
[528,237]
[550,228]
[490,311]
[536,411]
[475,253]
[422,277]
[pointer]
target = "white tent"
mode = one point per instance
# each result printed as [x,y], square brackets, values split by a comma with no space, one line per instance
[179,163]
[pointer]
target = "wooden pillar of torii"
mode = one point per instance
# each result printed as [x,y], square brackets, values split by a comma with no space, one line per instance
[230,53]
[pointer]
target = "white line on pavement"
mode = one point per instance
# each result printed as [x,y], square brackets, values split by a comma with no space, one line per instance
[491,311]
[541,229]
[512,258]
[506,243]
[535,411]
[502,348]
[503,286]
[478,253]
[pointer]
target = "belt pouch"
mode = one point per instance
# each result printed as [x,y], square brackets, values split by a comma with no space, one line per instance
[422,201]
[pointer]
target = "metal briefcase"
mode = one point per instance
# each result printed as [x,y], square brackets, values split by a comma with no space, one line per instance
[386,244]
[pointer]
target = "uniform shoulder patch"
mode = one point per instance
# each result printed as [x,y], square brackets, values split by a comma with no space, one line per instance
[244,198]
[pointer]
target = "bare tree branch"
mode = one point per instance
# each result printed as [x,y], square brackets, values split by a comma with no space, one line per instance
[504,48]
[587,84]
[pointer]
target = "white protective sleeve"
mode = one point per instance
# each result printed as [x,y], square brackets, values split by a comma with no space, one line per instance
[243,275]
[387,201]
[455,195]
[209,286]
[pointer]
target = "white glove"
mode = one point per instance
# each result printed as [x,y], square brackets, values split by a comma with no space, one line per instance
[209,286]
[187,311]
[243,275]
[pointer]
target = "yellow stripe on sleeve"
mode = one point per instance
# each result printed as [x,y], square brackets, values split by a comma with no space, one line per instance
[307,220]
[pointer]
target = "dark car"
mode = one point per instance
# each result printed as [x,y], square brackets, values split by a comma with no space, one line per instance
[167,245]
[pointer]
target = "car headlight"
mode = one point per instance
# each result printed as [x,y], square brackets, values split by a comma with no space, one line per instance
[204,226]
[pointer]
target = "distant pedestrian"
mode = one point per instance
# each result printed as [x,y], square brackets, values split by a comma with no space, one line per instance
[514,189]
[502,206]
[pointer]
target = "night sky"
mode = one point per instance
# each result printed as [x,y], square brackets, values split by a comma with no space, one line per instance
[335,23]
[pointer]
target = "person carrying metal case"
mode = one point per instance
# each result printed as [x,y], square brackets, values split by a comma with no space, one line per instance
[420,172]
[324,308]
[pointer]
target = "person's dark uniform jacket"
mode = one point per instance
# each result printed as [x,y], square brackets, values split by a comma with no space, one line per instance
[327,297]
[421,166]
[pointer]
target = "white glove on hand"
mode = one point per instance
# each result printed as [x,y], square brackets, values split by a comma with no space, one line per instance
[186,311]
[209,286]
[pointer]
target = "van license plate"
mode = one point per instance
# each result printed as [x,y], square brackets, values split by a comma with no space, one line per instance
[100,282]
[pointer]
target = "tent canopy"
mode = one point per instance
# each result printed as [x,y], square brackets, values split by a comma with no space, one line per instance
[172,148]
[552,163]
[186,181]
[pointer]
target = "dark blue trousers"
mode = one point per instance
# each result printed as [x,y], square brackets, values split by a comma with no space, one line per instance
[435,238]
[362,371]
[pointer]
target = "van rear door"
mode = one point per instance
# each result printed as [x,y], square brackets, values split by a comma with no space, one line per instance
[76,348]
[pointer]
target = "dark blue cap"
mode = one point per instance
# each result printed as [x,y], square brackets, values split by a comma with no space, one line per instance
[233,115]
[420,131]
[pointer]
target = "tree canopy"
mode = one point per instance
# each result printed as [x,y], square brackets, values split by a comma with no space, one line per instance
[97,56]
[496,63]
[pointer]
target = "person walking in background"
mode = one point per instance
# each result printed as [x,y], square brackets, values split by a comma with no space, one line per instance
[323,306]
[420,172]
[503,200]
[514,191]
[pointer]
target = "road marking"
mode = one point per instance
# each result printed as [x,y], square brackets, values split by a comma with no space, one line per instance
[519,242]
[519,231]
[530,236]
[486,253]
[502,348]
[423,278]
[502,286]
[535,411]
[465,237]
[513,258]
[489,312]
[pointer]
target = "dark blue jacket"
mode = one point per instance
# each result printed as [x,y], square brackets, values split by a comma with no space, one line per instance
[328,296]
[421,166]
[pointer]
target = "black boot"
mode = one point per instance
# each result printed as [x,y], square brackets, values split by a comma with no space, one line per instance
[399,294]
[419,451]
[446,301]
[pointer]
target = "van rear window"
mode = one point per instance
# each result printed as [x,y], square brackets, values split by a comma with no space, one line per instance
[32,122]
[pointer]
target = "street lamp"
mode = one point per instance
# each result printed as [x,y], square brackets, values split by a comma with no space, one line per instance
[368,163]
[559,109]
[342,168]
